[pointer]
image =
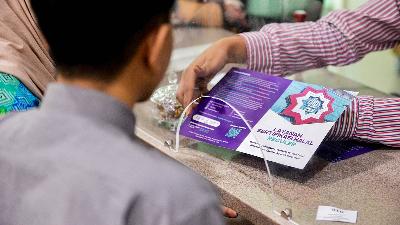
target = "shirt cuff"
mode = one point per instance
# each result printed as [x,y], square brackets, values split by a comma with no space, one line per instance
[379,121]
[365,117]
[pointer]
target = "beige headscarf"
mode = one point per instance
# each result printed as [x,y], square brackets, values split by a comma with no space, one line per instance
[23,49]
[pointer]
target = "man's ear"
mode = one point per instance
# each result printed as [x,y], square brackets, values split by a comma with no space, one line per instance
[159,47]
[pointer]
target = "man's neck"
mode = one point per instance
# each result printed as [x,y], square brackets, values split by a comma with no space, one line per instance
[119,92]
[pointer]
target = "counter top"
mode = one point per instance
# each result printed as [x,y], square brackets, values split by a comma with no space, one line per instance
[368,183]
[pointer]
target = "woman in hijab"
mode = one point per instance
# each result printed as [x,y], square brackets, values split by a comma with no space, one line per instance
[25,64]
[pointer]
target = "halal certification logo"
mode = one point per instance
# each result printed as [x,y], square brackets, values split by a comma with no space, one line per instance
[309,106]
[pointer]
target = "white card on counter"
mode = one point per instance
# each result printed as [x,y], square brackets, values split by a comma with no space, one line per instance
[335,214]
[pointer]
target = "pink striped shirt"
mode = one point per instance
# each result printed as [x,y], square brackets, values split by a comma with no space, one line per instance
[340,38]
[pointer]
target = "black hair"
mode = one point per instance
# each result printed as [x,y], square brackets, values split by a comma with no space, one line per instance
[96,38]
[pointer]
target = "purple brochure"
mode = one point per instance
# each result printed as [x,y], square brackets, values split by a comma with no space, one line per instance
[289,119]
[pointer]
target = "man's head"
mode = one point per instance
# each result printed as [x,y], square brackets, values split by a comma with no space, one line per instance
[105,41]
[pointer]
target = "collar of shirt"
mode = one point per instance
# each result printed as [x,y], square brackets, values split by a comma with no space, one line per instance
[88,103]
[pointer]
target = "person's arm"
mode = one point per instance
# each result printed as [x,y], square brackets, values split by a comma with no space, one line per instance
[370,119]
[340,38]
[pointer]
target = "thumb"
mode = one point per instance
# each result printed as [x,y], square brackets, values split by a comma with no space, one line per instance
[228,212]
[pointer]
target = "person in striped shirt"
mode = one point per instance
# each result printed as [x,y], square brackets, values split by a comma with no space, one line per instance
[340,38]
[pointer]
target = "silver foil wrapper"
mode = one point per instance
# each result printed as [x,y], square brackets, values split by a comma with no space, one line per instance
[167,108]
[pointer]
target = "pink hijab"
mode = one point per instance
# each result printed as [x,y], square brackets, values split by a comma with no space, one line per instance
[23,49]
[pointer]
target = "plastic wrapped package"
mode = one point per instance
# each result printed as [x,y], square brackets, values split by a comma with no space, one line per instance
[167,109]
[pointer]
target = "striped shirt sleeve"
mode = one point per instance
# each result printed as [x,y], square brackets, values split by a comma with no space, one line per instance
[341,38]
[370,119]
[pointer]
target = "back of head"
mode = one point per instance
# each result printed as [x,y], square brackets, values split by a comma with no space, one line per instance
[95,38]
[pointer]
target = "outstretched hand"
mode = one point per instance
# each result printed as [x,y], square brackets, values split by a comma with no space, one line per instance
[209,63]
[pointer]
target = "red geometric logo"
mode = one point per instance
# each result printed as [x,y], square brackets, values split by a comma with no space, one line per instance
[309,106]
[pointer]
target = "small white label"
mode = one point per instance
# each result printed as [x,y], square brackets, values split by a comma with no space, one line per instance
[206,120]
[335,214]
